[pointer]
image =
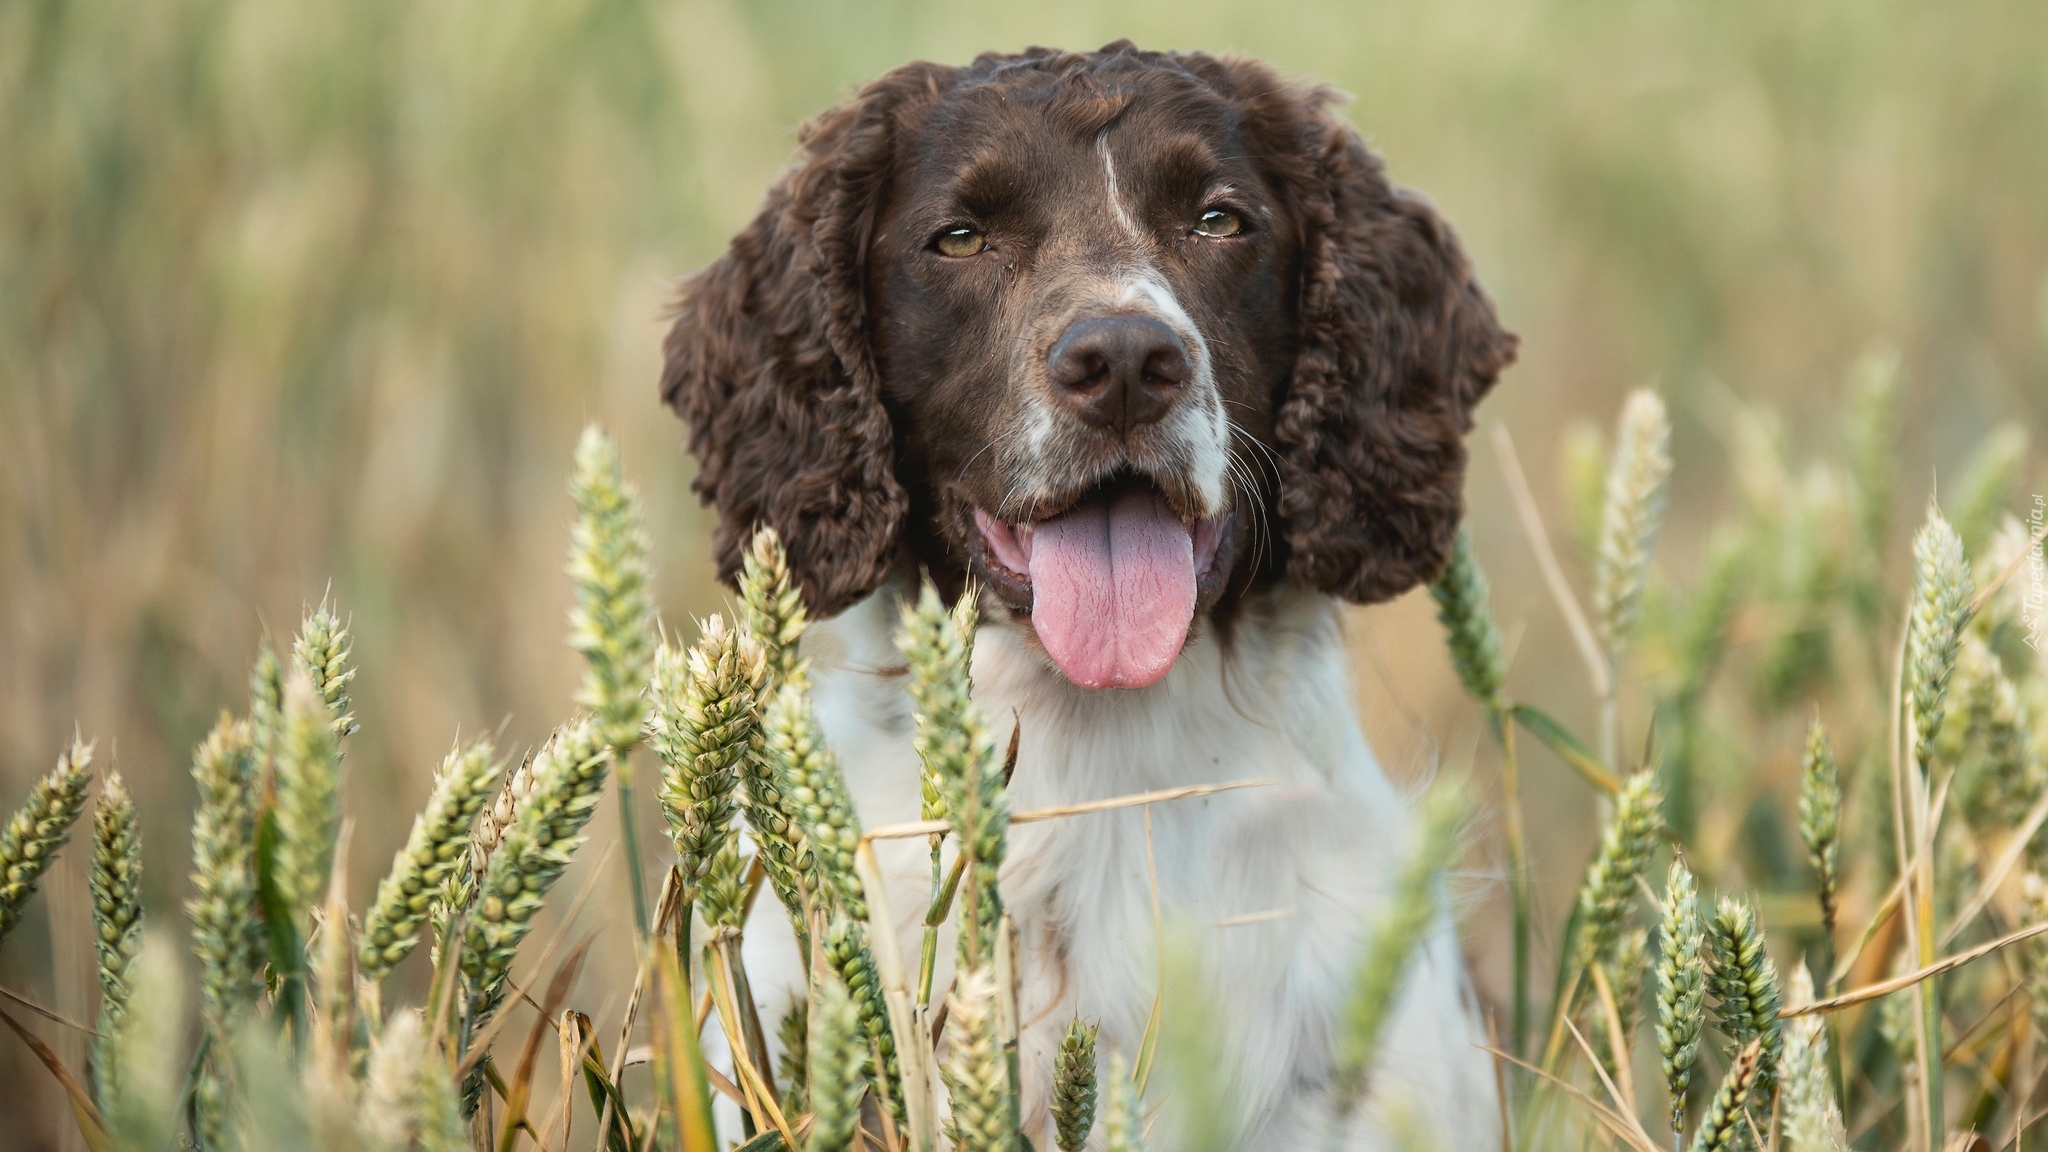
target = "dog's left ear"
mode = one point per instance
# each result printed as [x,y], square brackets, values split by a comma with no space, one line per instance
[769,364]
[1398,341]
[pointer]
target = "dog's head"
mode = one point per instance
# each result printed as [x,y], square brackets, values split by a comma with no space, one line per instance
[1124,335]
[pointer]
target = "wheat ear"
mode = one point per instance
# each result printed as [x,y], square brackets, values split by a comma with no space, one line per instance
[322,651]
[116,912]
[1393,941]
[612,623]
[847,954]
[703,723]
[774,605]
[308,808]
[39,828]
[1820,818]
[1074,1087]
[1123,1129]
[1631,516]
[1722,1130]
[1940,608]
[837,1046]
[1463,605]
[435,851]
[976,1079]
[1745,984]
[814,787]
[1812,1122]
[1681,987]
[1610,884]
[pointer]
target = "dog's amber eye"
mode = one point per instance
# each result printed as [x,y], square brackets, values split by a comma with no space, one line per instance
[961,242]
[1217,222]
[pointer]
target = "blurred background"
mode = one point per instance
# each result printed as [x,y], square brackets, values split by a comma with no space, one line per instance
[300,299]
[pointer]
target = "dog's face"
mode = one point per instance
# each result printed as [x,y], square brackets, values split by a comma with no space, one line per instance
[1121,335]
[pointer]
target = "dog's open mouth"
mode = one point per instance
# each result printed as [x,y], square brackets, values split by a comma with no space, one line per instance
[1113,581]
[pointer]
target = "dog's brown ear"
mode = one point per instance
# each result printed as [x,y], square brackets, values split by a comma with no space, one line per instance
[768,362]
[1398,342]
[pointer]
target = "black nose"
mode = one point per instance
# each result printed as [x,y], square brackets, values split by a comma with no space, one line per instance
[1118,372]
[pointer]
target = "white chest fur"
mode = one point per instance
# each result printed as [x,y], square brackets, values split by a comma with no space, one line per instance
[1274,887]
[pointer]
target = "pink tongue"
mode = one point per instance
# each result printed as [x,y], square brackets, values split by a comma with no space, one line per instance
[1113,589]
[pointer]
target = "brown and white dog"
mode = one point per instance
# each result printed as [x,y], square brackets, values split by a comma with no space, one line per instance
[1145,348]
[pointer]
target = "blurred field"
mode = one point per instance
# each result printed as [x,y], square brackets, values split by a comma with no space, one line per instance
[296,296]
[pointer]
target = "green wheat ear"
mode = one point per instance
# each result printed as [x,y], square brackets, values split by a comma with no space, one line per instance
[1583,477]
[1940,609]
[1870,446]
[704,720]
[322,651]
[975,1075]
[816,790]
[1074,1087]
[1812,1122]
[308,806]
[1820,818]
[38,829]
[1610,884]
[1632,515]
[1745,984]
[837,1052]
[1393,941]
[1463,606]
[1681,987]
[774,605]
[1122,1128]
[116,913]
[568,777]
[1722,1130]
[435,851]
[612,624]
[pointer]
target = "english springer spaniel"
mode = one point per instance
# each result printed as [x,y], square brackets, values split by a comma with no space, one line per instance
[1145,350]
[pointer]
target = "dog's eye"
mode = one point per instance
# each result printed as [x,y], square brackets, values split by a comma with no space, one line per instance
[961,242]
[1217,222]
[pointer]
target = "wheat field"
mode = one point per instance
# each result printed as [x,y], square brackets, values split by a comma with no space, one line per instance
[307,305]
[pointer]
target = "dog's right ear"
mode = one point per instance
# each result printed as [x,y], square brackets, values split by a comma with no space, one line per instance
[769,364]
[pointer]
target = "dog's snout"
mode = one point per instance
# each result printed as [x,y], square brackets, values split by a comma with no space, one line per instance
[1120,372]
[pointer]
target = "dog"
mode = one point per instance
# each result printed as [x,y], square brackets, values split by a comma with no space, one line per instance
[1143,350]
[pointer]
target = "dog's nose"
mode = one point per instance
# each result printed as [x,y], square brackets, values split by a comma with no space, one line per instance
[1118,372]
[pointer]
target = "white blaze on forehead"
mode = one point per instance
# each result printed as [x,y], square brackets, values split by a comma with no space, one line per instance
[1116,200]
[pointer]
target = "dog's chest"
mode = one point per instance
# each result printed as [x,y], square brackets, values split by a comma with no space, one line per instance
[1268,885]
